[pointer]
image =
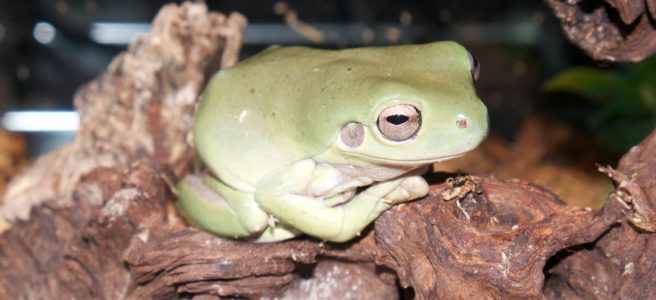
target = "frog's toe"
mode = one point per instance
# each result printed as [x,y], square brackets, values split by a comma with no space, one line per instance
[416,186]
[411,188]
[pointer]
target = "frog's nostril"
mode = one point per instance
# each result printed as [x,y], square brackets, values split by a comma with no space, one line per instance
[461,122]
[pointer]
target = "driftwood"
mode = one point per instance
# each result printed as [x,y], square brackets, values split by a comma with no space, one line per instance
[96,220]
[609,30]
[620,264]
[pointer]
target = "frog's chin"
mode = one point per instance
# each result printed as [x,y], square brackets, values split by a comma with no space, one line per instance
[406,162]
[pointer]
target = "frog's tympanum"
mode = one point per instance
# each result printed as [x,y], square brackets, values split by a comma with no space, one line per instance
[319,142]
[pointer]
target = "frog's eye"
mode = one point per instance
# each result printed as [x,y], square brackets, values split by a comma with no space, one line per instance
[474,66]
[399,122]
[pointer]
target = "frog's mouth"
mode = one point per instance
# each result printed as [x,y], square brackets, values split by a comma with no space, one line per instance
[422,161]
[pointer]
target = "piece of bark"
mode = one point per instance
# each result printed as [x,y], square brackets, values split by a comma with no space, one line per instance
[492,244]
[140,108]
[631,37]
[196,262]
[622,263]
[76,251]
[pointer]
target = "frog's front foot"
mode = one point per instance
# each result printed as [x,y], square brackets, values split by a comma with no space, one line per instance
[411,188]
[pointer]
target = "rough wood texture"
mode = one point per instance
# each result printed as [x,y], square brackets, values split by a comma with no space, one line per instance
[496,242]
[140,108]
[96,219]
[622,263]
[610,30]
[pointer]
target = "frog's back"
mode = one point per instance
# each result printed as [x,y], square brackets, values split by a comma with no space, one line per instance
[244,122]
[288,104]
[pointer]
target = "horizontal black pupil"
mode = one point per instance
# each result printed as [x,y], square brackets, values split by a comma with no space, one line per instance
[397,119]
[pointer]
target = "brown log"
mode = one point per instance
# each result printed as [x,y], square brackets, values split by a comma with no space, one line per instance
[96,219]
[631,37]
[622,263]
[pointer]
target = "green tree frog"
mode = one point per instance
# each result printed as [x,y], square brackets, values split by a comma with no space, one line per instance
[321,142]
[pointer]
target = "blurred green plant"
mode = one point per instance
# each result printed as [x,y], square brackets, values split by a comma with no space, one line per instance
[626,97]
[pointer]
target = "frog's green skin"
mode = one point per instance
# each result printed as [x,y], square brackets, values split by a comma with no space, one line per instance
[272,130]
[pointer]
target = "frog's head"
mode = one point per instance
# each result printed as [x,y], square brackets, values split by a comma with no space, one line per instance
[424,110]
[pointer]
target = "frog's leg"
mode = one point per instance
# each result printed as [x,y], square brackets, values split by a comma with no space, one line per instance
[290,195]
[219,208]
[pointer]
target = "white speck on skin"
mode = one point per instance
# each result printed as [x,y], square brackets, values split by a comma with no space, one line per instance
[242,116]
[460,119]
